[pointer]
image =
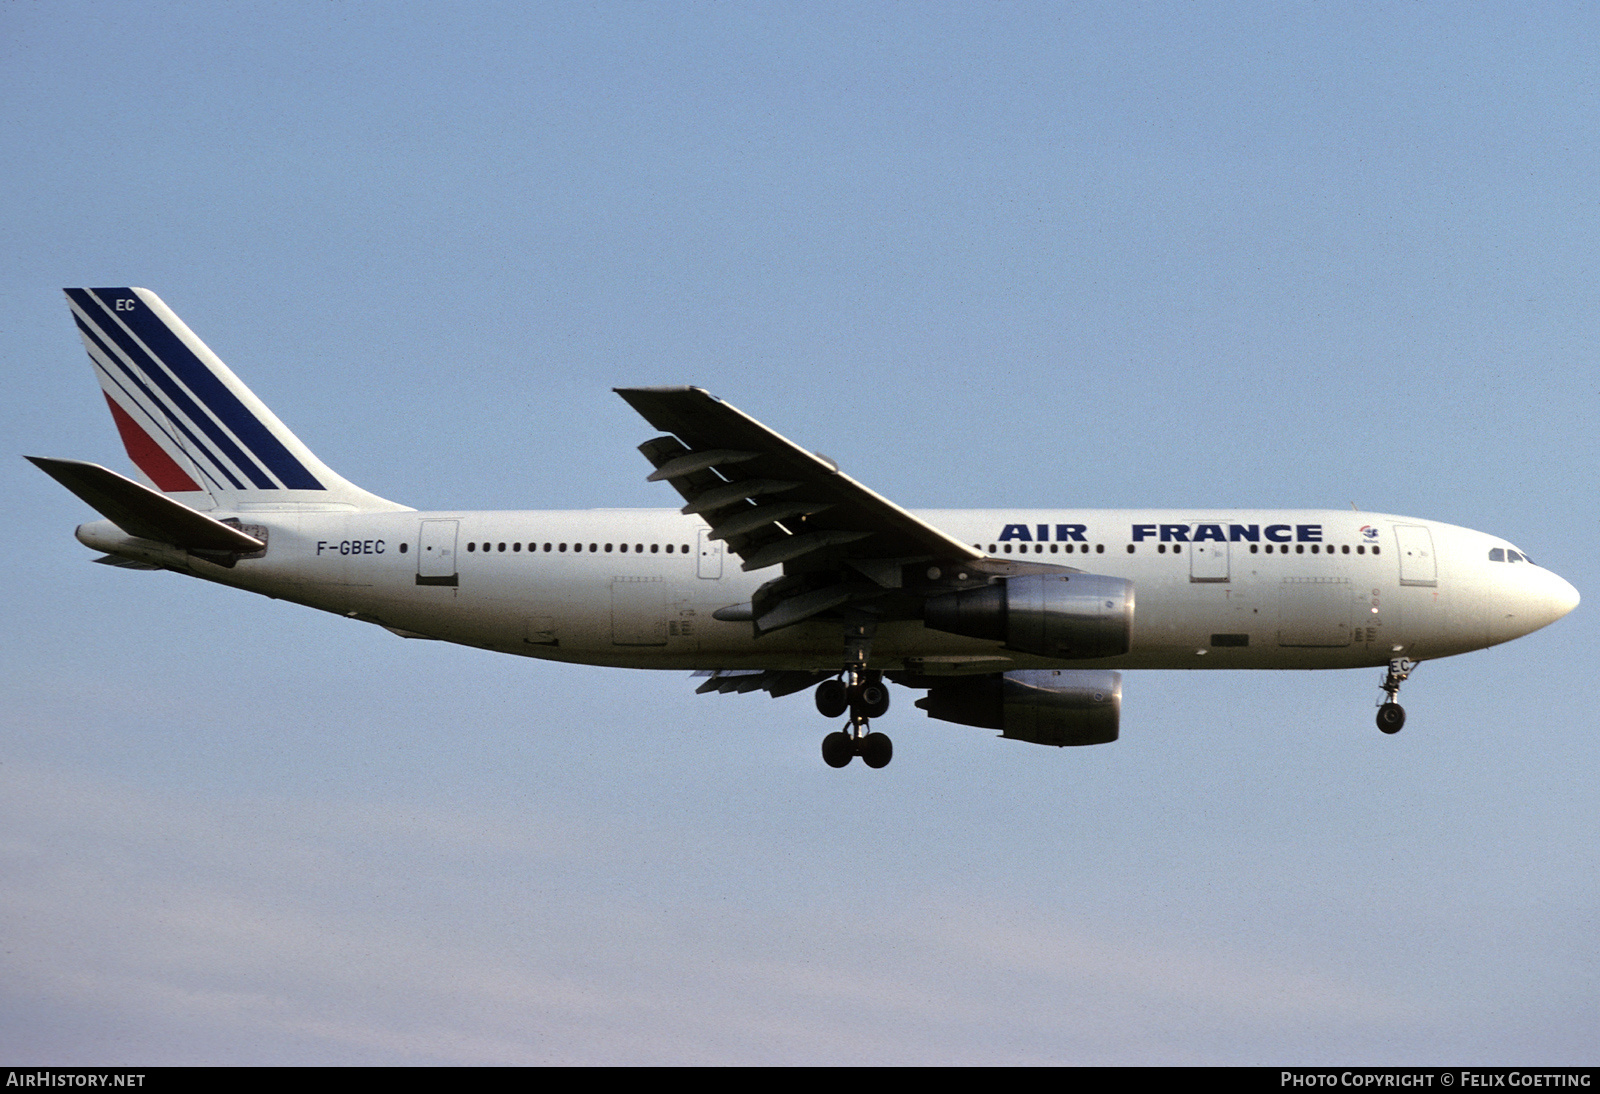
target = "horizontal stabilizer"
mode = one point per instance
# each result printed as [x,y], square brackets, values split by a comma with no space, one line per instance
[142,512]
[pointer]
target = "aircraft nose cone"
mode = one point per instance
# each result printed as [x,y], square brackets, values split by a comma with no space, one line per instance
[1532,598]
[1548,599]
[1563,597]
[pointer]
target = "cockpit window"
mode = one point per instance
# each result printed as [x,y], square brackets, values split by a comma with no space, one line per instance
[1497,554]
[1512,556]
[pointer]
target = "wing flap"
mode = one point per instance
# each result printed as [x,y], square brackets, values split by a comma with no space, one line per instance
[775,682]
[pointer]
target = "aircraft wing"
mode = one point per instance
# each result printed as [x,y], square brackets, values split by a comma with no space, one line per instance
[773,503]
[770,499]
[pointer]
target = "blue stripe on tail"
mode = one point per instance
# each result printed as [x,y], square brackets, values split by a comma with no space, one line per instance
[170,358]
[211,466]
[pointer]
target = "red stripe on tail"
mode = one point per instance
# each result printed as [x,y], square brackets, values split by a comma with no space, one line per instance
[151,457]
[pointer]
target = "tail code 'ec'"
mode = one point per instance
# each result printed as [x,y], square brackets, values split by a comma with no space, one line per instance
[187,421]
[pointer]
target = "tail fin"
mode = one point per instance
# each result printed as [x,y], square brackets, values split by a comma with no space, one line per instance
[189,425]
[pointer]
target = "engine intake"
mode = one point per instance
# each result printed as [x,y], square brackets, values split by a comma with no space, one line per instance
[1043,706]
[1069,616]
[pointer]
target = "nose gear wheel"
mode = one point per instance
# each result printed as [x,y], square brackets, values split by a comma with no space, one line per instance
[1391,715]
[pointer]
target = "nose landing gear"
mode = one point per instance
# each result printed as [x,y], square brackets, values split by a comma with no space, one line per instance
[865,696]
[1391,715]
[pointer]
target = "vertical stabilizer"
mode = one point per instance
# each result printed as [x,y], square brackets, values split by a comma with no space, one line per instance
[191,427]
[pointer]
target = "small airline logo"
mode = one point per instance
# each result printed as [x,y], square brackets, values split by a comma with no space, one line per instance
[1368,533]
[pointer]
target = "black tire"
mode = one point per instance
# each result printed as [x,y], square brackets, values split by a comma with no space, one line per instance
[838,749]
[1391,717]
[872,701]
[833,699]
[876,750]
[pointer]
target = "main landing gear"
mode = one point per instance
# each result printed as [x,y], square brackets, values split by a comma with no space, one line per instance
[1391,715]
[865,696]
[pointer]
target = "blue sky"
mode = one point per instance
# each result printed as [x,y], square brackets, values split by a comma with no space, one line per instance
[983,256]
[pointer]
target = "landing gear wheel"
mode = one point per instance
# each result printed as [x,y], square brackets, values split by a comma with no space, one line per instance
[838,749]
[871,700]
[876,749]
[1391,716]
[833,699]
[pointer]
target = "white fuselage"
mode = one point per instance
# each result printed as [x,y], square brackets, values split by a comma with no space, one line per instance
[638,588]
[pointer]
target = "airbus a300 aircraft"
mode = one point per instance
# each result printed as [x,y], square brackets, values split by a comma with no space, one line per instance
[780,572]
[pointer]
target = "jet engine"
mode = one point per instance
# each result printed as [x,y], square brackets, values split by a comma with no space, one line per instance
[1045,706]
[1070,616]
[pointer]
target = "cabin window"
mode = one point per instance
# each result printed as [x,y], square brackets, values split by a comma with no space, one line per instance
[1130,548]
[1252,548]
[473,546]
[1099,548]
[403,548]
[562,548]
[608,548]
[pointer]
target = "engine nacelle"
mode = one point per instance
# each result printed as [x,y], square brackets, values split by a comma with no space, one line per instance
[1070,616]
[1045,706]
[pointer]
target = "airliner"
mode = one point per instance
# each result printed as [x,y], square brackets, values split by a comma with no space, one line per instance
[780,573]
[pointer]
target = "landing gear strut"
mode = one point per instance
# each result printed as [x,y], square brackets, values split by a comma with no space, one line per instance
[865,696]
[1391,715]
